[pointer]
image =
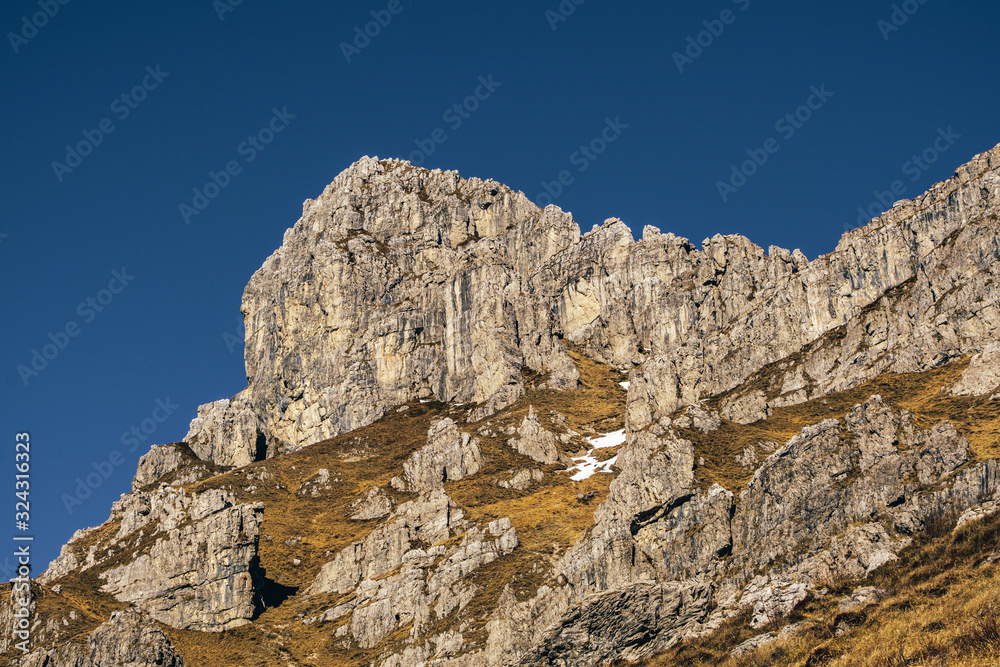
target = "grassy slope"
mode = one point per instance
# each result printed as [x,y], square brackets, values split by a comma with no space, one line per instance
[944,603]
[549,518]
[978,419]
[943,608]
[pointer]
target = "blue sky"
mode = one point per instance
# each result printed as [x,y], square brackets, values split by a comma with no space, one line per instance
[783,121]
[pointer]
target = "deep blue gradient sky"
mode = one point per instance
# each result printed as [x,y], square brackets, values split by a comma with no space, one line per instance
[163,336]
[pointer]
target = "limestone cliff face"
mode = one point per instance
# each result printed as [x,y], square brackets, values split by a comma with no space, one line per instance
[400,283]
[445,320]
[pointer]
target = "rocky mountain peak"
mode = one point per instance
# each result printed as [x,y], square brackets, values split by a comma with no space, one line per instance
[473,436]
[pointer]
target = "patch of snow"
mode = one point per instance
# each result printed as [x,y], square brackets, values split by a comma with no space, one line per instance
[625,385]
[426,400]
[588,465]
[612,439]
[606,465]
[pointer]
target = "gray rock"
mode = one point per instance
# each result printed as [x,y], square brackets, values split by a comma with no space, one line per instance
[534,440]
[754,643]
[431,518]
[699,417]
[630,624]
[978,513]
[772,601]
[175,461]
[437,285]
[983,374]
[860,597]
[22,596]
[200,572]
[128,639]
[320,484]
[228,433]
[450,454]
[374,505]
[407,260]
[161,460]
[401,574]
[520,479]
[192,558]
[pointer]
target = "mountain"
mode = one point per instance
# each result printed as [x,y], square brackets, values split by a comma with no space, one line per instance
[473,436]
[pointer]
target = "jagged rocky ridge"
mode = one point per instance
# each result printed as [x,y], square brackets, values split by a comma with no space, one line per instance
[401,288]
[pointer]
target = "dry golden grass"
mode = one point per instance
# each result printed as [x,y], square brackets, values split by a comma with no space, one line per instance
[978,419]
[548,516]
[319,526]
[943,608]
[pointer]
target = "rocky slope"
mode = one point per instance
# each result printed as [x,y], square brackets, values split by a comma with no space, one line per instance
[426,355]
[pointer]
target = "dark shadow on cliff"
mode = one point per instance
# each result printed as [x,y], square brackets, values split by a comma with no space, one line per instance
[271,594]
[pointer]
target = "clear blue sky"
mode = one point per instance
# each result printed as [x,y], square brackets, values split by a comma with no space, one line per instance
[879,95]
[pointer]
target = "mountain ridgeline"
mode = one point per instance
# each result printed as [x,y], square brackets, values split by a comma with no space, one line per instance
[473,436]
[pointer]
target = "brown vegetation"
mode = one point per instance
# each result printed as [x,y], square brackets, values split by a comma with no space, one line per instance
[942,608]
[923,394]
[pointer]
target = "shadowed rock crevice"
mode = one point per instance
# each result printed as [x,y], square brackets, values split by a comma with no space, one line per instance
[271,594]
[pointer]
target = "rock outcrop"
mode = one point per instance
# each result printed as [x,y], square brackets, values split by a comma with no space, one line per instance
[428,580]
[534,441]
[983,374]
[450,454]
[192,559]
[398,283]
[227,432]
[374,505]
[128,639]
[627,624]
[160,461]
[175,464]
[813,512]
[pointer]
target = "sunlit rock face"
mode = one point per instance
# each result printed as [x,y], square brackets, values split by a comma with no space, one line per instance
[400,283]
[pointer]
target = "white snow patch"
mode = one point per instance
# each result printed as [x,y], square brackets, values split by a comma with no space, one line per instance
[612,439]
[426,400]
[625,385]
[588,465]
